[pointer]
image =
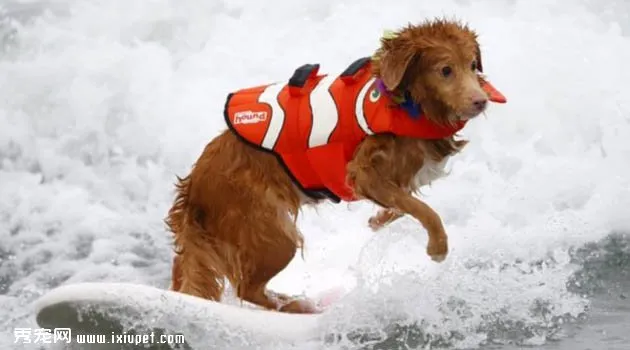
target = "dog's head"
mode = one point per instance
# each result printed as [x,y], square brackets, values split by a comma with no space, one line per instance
[438,63]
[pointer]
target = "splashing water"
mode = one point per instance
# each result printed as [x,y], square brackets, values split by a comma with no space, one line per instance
[102,103]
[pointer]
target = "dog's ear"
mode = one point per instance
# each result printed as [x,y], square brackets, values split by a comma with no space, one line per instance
[394,61]
[478,58]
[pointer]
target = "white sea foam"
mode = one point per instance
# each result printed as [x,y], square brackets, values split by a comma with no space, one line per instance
[103,102]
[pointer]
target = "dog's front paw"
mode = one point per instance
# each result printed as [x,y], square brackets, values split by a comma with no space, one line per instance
[375,223]
[382,218]
[437,249]
[301,306]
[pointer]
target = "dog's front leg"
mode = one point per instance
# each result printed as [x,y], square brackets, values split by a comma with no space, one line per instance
[387,194]
[373,176]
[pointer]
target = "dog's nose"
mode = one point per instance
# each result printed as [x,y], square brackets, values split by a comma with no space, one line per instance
[480,103]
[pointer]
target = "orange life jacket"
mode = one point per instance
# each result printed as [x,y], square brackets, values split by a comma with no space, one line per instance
[314,123]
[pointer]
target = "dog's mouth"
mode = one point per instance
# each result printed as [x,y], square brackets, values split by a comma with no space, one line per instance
[470,114]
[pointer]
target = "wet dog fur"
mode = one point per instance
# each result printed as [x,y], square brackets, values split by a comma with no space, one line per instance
[234,216]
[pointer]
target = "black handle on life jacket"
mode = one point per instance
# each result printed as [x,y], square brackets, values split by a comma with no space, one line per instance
[301,75]
[349,75]
[355,66]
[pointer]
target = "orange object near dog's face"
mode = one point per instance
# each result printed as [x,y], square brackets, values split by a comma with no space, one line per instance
[439,64]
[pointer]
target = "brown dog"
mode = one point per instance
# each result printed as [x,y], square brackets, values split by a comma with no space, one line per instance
[234,215]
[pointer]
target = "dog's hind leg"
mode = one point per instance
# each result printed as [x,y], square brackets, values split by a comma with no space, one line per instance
[199,271]
[261,261]
[176,274]
[197,267]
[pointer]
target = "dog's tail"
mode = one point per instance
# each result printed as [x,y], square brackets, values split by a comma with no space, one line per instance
[200,271]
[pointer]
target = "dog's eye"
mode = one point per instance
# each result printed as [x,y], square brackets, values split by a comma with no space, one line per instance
[447,71]
[473,66]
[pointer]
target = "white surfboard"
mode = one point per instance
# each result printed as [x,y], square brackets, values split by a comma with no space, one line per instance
[112,314]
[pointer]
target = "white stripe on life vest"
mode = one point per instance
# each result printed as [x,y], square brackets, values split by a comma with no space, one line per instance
[270,96]
[358,108]
[324,112]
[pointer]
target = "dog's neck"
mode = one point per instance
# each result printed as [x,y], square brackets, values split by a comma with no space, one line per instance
[402,98]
